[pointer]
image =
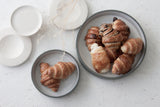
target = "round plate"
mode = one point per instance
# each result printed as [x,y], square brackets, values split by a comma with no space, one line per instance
[52,57]
[26,20]
[107,17]
[14,49]
[68,21]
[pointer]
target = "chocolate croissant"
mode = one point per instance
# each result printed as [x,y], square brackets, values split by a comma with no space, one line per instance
[61,70]
[105,28]
[123,64]
[121,26]
[112,40]
[100,60]
[93,37]
[132,46]
[47,79]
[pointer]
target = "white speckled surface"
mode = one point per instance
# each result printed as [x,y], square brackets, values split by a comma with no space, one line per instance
[140,89]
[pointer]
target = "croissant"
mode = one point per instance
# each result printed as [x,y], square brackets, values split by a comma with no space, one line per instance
[121,26]
[100,60]
[112,40]
[105,28]
[123,64]
[43,67]
[61,70]
[47,79]
[113,54]
[132,46]
[93,37]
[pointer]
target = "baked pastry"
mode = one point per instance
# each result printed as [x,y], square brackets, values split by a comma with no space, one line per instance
[105,28]
[43,67]
[93,37]
[100,60]
[121,26]
[106,47]
[132,46]
[47,79]
[113,54]
[123,64]
[112,40]
[61,70]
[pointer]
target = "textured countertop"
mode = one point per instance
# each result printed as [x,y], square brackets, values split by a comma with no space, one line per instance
[140,89]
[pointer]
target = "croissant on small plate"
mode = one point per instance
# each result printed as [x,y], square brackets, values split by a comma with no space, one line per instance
[100,60]
[61,70]
[132,46]
[123,64]
[51,75]
[93,37]
[47,79]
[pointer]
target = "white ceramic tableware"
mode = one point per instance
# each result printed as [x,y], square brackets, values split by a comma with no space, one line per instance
[68,14]
[26,20]
[14,49]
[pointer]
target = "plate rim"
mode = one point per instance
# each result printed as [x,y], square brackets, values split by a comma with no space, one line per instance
[79,25]
[120,76]
[32,71]
[34,9]
[16,61]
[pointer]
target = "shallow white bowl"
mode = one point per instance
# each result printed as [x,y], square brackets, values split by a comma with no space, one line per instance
[65,18]
[14,49]
[26,20]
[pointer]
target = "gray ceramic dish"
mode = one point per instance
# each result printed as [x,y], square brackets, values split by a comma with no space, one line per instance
[52,57]
[107,17]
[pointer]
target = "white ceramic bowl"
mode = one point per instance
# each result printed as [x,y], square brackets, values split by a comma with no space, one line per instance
[14,49]
[68,14]
[26,20]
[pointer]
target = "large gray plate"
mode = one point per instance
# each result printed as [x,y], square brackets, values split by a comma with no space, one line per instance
[107,17]
[52,57]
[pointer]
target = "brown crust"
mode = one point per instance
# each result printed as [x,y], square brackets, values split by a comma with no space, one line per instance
[100,59]
[43,67]
[117,38]
[47,79]
[123,64]
[105,29]
[112,36]
[61,70]
[113,54]
[112,41]
[93,36]
[51,75]
[113,46]
[122,27]
[132,46]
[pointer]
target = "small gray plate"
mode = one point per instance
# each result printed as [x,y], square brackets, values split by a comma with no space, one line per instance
[52,57]
[107,17]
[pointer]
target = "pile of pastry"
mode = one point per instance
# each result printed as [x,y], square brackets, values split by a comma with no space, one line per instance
[51,76]
[110,43]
